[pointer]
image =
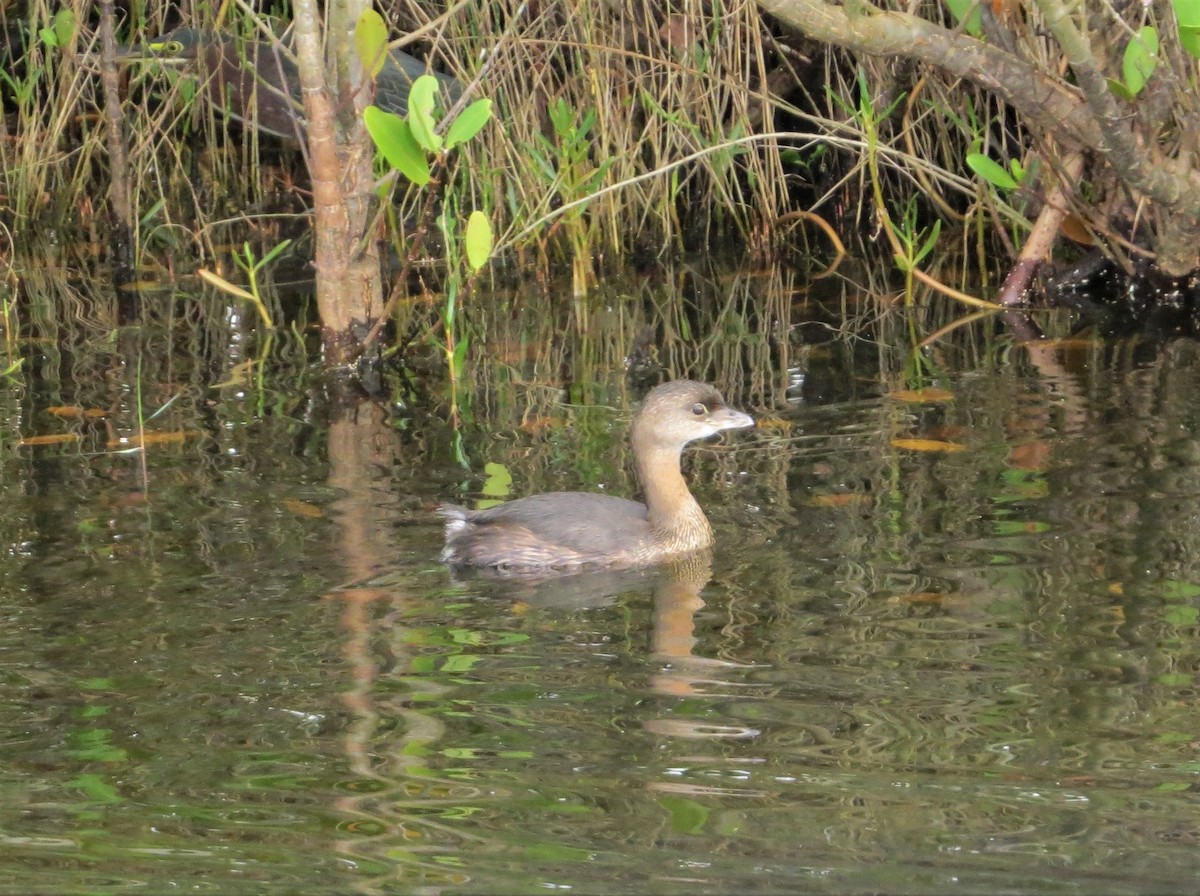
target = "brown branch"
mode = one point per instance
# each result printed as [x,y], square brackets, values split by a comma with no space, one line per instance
[1140,169]
[1042,237]
[1035,94]
[1087,120]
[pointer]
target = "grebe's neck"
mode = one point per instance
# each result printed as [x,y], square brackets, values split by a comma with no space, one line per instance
[674,516]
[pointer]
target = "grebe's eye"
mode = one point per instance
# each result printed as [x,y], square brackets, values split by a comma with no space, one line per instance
[699,409]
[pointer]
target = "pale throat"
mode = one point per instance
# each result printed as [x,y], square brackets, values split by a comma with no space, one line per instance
[672,509]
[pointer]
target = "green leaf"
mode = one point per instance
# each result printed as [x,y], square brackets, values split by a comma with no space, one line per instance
[990,171]
[1178,615]
[396,144]
[498,482]
[64,27]
[478,240]
[1187,12]
[1174,589]
[96,788]
[1118,89]
[370,39]
[420,113]
[459,664]
[469,123]
[1173,787]
[97,684]
[687,816]
[930,242]
[1189,39]
[450,308]
[274,253]
[459,360]
[562,116]
[1179,680]
[968,10]
[1141,58]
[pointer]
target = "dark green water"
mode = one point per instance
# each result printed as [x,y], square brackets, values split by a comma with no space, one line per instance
[957,671]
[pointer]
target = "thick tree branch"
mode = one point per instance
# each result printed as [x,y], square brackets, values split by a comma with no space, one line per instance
[1089,117]
[1037,96]
[1118,143]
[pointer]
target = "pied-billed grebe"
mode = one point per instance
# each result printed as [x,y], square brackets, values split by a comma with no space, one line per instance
[574,530]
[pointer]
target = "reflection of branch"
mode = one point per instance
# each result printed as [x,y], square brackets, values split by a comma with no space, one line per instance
[1046,359]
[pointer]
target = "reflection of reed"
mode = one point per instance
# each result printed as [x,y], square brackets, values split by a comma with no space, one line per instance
[698,321]
[730,328]
[549,393]
[361,447]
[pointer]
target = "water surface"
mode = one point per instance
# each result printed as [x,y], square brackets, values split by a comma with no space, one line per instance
[947,644]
